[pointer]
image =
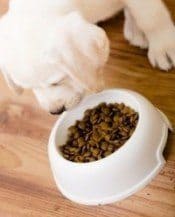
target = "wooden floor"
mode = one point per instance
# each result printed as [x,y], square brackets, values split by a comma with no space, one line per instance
[27,188]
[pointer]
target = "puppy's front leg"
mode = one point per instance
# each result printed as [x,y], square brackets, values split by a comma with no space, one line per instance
[153,18]
[132,32]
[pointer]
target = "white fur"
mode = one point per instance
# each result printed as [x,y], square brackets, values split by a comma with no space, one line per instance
[55,49]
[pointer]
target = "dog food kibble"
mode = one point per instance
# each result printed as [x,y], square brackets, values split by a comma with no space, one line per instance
[103,130]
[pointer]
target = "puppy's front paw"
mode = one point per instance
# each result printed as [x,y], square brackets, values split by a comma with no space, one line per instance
[162,49]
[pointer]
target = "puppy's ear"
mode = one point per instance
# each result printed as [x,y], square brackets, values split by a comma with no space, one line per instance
[85,51]
[92,51]
[14,87]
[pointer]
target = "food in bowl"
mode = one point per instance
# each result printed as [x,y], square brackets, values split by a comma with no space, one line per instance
[102,130]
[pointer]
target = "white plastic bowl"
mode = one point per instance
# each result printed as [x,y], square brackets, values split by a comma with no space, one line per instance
[122,173]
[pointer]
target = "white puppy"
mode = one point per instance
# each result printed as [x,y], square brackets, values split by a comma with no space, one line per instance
[54,48]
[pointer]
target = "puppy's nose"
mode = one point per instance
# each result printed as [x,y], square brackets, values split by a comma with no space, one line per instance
[58,111]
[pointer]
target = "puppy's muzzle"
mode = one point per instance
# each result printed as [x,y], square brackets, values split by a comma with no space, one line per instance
[58,111]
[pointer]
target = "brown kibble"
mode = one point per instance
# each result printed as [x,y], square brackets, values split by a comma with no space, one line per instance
[102,116]
[87,112]
[75,143]
[87,136]
[96,136]
[103,104]
[91,159]
[78,158]
[104,126]
[121,106]
[105,110]
[72,129]
[125,110]
[107,119]
[110,147]
[66,156]
[82,125]
[95,152]
[131,132]
[76,135]
[94,118]
[102,130]
[106,153]
[104,146]
[93,111]
[117,144]
[87,154]
[107,138]
[83,149]
[86,119]
[80,140]
[81,144]
[116,118]
[73,150]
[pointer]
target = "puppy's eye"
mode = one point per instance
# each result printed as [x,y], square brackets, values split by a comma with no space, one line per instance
[55,84]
